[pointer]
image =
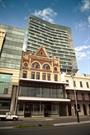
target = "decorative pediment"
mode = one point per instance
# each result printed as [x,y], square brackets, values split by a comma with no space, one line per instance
[42,52]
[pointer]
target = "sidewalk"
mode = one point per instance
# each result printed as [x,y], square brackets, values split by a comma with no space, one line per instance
[63,119]
[55,121]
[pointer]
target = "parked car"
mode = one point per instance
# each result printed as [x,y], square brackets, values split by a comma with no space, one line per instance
[8,116]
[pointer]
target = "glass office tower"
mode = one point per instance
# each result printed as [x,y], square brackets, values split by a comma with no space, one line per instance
[11,44]
[12,47]
[57,39]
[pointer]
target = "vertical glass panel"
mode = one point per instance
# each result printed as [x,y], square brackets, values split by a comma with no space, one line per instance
[81,85]
[5,83]
[24,74]
[44,76]
[55,77]
[87,84]
[48,76]
[33,75]
[38,75]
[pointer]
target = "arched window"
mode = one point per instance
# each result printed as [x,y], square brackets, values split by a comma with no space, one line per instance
[46,67]
[36,65]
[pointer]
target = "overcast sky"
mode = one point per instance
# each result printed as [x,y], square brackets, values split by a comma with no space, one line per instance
[72,13]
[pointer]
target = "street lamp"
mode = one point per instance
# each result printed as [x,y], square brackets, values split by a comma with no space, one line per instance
[75,96]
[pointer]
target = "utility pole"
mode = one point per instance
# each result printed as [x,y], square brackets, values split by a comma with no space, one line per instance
[75,97]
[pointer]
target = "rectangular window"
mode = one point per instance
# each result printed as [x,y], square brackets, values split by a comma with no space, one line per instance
[38,75]
[81,84]
[55,77]
[68,94]
[48,76]
[44,76]
[33,75]
[24,74]
[74,83]
[87,84]
[67,82]
[5,90]
[5,83]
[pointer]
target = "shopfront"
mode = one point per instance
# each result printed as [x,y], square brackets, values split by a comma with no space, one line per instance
[41,98]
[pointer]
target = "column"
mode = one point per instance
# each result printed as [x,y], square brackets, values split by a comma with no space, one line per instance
[13,100]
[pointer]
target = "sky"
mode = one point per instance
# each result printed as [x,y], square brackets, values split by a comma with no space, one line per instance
[72,13]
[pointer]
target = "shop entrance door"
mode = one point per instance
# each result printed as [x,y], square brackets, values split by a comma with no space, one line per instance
[62,109]
[69,110]
[84,109]
[47,109]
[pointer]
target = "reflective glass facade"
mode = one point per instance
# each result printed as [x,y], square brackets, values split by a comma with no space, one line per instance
[5,83]
[12,47]
[41,92]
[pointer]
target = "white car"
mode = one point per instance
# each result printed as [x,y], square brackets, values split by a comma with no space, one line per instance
[8,116]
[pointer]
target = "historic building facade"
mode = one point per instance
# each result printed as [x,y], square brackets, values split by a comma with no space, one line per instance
[79,86]
[41,91]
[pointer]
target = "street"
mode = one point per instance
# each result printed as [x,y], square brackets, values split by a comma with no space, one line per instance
[43,121]
[79,129]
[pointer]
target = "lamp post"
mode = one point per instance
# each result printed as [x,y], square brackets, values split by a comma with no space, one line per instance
[75,97]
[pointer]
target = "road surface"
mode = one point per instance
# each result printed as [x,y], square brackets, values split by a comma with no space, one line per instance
[78,129]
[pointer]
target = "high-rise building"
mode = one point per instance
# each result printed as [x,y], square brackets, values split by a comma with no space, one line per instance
[57,39]
[2,37]
[11,44]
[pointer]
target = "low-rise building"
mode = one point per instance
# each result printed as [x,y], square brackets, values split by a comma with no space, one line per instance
[79,86]
[41,91]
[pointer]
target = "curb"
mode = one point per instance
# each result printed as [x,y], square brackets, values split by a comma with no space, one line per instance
[71,123]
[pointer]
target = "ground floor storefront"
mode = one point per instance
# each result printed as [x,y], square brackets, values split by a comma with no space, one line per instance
[41,98]
[79,98]
[39,108]
[5,105]
[48,109]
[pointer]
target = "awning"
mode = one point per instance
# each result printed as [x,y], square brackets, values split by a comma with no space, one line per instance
[43,99]
[43,81]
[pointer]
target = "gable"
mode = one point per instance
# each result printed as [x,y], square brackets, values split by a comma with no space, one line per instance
[42,52]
